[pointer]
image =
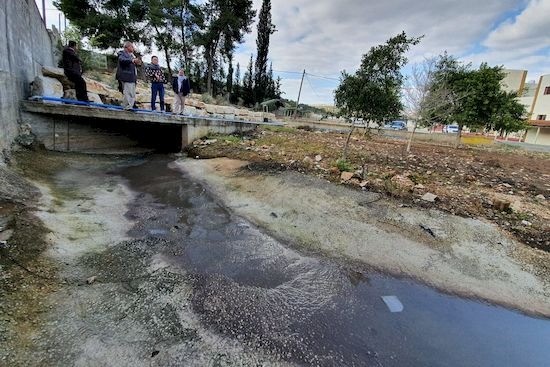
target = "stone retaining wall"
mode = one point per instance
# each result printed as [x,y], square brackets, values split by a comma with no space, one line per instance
[25,46]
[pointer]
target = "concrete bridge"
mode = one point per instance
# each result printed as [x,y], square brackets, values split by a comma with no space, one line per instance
[82,127]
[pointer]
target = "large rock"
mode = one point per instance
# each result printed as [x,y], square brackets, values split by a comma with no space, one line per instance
[59,74]
[98,88]
[53,72]
[47,87]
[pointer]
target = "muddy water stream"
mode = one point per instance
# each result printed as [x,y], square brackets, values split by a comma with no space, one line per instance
[179,280]
[307,309]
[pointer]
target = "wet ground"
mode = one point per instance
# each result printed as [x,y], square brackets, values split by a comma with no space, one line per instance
[194,284]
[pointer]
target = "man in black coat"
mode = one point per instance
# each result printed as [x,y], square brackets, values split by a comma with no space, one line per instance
[72,66]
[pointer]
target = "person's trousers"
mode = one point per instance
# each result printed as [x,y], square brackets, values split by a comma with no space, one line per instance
[157,88]
[179,103]
[129,95]
[79,86]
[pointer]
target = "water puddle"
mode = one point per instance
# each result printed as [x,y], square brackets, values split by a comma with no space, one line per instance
[312,310]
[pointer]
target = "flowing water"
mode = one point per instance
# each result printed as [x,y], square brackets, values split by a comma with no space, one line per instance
[311,310]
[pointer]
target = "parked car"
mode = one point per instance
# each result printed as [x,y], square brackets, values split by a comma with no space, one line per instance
[450,129]
[396,125]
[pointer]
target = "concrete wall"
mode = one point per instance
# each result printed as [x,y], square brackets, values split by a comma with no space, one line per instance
[109,136]
[25,46]
[542,101]
[514,80]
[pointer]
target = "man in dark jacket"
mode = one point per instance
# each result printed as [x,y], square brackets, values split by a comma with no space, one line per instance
[155,74]
[181,88]
[72,66]
[126,73]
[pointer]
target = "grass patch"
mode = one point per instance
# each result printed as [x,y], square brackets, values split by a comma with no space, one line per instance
[344,165]
[279,129]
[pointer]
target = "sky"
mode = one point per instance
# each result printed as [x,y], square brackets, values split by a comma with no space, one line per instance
[325,37]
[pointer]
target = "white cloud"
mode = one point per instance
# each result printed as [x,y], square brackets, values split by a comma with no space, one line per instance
[326,36]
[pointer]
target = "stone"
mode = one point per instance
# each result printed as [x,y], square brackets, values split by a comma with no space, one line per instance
[402,182]
[308,161]
[97,87]
[47,87]
[53,72]
[318,158]
[59,74]
[94,97]
[501,205]
[363,183]
[346,176]
[429,197]
[540,197]
[526,223]
[90,280]
[69,94]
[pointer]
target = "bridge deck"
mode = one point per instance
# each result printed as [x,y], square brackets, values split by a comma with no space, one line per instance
[91,126]
[106,113]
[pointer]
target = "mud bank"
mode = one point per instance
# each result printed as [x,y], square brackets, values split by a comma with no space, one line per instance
[457,255]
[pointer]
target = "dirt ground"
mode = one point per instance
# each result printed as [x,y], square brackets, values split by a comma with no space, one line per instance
[474,182]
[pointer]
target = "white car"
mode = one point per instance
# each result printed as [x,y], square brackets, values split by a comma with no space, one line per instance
[450,129]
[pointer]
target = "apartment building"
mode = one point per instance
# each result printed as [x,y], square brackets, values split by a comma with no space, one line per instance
[535,96]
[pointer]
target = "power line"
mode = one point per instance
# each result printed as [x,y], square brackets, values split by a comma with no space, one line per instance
[323,77]
[311,86]
[313,75]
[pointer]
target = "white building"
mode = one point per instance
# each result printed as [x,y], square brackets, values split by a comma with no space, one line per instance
[536,98]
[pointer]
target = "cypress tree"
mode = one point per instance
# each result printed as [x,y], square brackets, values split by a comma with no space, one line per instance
[265,29]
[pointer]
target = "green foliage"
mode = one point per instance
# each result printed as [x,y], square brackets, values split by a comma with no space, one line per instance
[473,98]
[105,22]
[373,92]
[225,24]
[344,165]
[265,30]
[248,85]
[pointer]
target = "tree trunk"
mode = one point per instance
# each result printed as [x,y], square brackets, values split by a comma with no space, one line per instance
[458,136]
[183,42]
[345,152]
[411,138]
[167,56]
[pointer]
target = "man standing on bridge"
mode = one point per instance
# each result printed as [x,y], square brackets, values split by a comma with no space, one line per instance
[72,66]
[156,76]
[126,73]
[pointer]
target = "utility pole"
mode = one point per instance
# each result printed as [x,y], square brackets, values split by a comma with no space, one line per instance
[299,92]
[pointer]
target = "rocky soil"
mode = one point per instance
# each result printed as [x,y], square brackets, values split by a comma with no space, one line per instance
[508,187]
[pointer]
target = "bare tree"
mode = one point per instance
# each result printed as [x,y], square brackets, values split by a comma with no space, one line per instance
[416,94]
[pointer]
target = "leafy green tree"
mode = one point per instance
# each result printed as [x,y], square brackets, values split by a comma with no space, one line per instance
[248,85]
[225,24]
[106,22]
[236,91]
[373,92]
[473,98]
[265,30]
[229,80]
[510,115]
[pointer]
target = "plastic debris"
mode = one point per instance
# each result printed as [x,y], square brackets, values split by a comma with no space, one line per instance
[393,303]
